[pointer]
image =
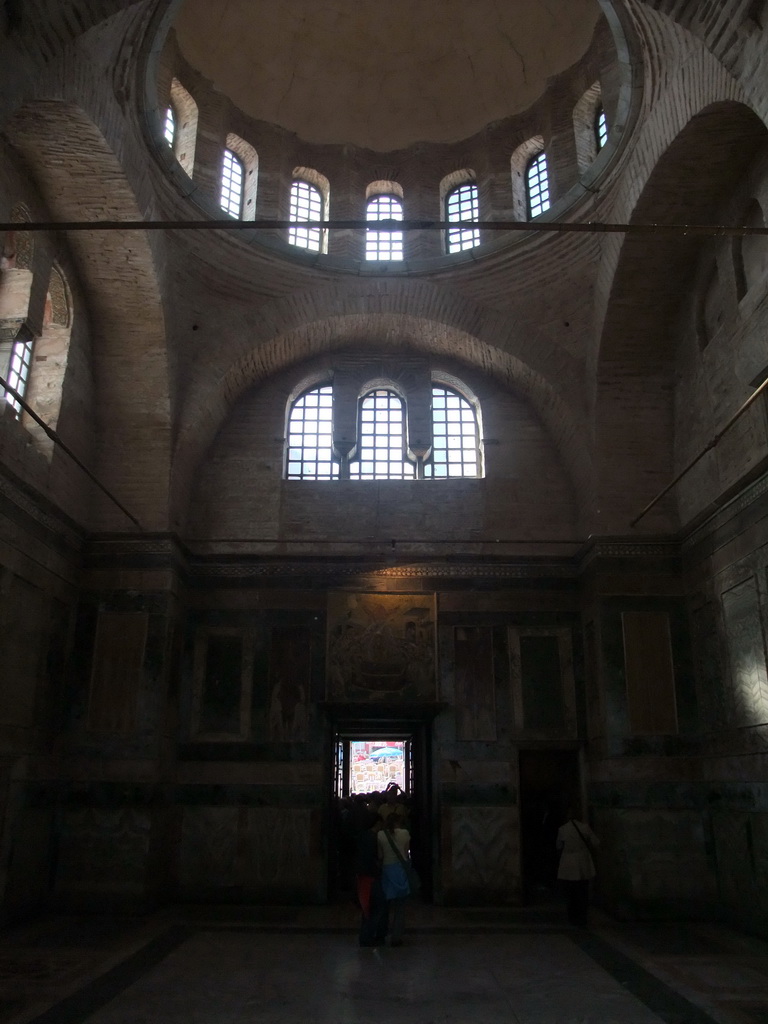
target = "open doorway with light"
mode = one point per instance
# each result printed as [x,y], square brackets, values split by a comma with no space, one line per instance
[370,759]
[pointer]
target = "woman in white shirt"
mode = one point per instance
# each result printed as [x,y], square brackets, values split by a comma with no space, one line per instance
[576,840]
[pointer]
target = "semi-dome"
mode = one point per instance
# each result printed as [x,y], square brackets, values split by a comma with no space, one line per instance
[383,75]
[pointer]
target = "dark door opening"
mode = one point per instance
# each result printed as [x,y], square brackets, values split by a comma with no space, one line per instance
[367,757]
[549,782]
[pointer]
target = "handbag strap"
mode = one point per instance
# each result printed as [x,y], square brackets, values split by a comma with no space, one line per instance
[581,837]
[391,842]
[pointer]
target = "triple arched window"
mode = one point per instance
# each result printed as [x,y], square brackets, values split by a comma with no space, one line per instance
[381,451]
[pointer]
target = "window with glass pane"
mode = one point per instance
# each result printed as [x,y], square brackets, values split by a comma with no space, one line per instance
[18,371]
[537,182]
[381,439]
[232,184]
[169,130]
[384,245]
[310,428]
[461,204]
[306,205]
[455,440]
[601,128]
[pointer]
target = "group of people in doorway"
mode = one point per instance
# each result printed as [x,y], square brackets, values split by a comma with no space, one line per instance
[376,825]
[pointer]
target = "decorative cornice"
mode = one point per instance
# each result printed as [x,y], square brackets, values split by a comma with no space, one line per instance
[42,512]
[751,493]
[478,570]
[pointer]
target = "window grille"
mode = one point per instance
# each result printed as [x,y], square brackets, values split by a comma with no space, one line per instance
[384,245]
[461,205]
[232,185]
[18,371]
[537,181]
[601,128]
[310,437]
[169,130]
[455,436]
[381,439]
[306,204]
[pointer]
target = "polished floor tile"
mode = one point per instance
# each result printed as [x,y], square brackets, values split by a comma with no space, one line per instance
[206,965]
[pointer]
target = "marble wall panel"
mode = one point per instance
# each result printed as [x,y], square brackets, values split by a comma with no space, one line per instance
[290,668]
[746,653]
[650,673]
[23,639]
[103,851]
[222,685]
[484,851]
[741,845]
[116,672]
[208,848]
[474,685]
[711,688]
[658,860]
[277,848]
[665,851]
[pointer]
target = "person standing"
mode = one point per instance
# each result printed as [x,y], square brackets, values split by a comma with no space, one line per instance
[370,895]
[394,846]
[576,841]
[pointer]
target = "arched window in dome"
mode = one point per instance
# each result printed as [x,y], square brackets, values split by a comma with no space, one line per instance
[381,441]
[232,177]
[601,127]
[185,117]
[239,178]
[169,127]
[310,437]
[455,436]
[590,126]
[384,202]
[537,185]
[19,365]
[461,204]
[306,205]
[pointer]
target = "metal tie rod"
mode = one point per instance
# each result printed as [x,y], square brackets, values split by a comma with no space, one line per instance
[4,385]
[270,224]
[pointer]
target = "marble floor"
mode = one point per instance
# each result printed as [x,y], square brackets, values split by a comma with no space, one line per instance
[276,965]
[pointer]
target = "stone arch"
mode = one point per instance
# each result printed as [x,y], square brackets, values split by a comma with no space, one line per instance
[750,253]
[117,273]
[635,370]
[391,332]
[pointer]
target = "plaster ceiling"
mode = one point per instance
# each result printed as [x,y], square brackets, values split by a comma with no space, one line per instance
[383,73]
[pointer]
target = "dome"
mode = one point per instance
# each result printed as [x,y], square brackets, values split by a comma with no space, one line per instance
[383,75]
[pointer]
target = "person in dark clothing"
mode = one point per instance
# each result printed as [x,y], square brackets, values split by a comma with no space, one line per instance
[373,906]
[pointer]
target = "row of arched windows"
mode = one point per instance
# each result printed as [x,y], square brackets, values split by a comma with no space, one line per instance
[310,198]
[382,451]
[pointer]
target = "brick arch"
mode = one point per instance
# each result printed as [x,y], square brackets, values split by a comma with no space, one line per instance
[390,332]
[634,371]
[79,177]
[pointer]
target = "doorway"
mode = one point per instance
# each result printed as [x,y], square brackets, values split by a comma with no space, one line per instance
[367,756]
[549,782]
